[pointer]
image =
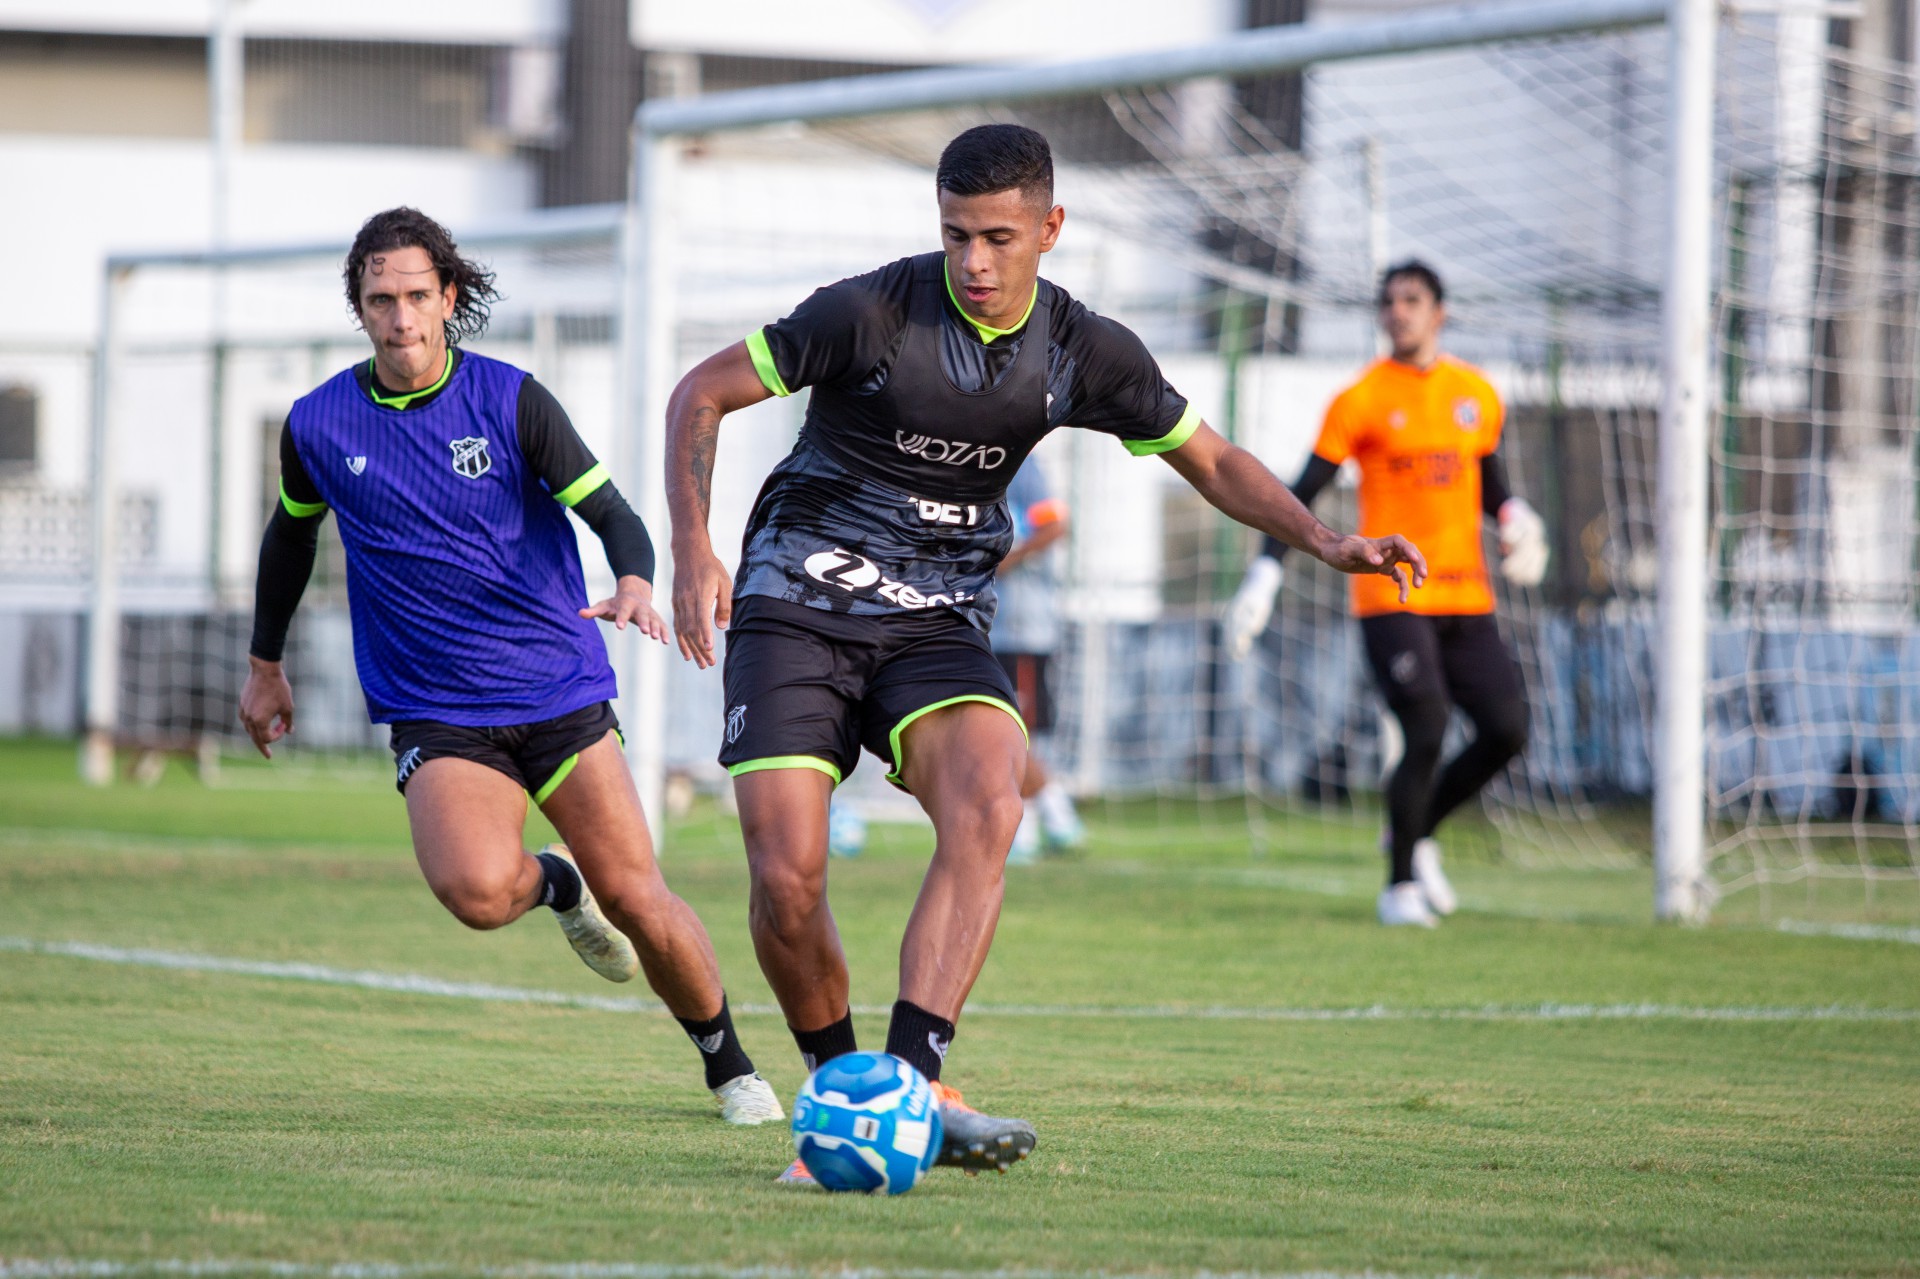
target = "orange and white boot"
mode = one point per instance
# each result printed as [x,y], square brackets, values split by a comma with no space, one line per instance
[975,1142]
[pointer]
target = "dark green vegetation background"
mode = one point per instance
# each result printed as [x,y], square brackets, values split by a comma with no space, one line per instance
[149,1114]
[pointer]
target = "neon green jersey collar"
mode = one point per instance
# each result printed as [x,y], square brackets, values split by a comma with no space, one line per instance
[986,331]
[403,402]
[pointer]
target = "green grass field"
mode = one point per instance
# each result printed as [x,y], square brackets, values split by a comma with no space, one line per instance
[1739,1101]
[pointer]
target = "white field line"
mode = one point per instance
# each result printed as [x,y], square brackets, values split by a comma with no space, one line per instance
[1852,932]
[419,984]
[1358,886]
[79,1268]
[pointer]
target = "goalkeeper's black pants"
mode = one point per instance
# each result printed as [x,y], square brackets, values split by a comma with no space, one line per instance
[1425,666]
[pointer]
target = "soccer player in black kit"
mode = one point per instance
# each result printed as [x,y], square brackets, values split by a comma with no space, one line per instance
[859,613]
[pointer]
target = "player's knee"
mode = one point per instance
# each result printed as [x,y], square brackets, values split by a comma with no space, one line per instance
[482,902]
[1505,731]
[984,820]
[1423,724]
[1002,813]
[785,899]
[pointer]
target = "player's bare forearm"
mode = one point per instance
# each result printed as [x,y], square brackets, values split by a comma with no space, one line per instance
[702,593]
[1235,482]
[717,386]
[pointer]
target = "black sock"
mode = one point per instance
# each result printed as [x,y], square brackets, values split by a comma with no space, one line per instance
[560,885]
[920,1037]
[719,1047]
[818,1047]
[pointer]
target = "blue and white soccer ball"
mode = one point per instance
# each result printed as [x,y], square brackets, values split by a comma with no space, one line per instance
[867,1122]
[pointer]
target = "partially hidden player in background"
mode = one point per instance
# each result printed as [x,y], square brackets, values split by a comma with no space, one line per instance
[1026,634]
[866,582]
[450,476]
[1424,429]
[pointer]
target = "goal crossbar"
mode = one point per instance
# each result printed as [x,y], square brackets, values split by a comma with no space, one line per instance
[1266,50]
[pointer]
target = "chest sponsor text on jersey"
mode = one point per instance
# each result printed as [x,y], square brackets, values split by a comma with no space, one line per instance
[950,452]
[1427,470]
[957,513]
[858,574]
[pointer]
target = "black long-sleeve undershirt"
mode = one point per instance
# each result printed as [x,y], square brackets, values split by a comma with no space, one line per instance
[554,453]
[287,551]
[1318,472]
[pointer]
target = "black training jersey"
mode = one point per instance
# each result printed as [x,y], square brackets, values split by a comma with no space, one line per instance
[893,497]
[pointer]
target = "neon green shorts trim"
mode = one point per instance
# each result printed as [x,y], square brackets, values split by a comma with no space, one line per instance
[785,761]
[893,738]
[552,784]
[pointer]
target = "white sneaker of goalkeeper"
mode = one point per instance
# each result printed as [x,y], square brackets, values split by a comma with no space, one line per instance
[1060,824]
[1405,904]
[1026,840]
[1433,880]
[748,1100]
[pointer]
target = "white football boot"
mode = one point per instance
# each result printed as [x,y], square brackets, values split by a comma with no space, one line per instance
[748,1100]
[1433,880]
[1406,904]
[600,945]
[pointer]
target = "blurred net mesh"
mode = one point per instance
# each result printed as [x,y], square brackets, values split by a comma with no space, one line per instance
[1239,227]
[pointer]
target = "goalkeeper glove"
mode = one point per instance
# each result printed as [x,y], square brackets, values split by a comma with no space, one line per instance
[1252,605]
[1523,543]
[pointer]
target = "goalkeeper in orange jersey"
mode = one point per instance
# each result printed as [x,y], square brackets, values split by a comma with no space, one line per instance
[1423,428]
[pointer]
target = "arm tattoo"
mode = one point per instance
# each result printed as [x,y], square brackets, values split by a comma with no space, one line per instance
[703,436]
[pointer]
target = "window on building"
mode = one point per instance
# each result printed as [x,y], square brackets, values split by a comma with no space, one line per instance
[19,429]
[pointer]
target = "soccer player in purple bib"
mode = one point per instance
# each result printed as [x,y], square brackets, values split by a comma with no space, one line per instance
[860,611]
[450,476]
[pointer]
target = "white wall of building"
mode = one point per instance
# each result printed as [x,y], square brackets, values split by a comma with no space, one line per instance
[930,31]
[462,21]
[99,195]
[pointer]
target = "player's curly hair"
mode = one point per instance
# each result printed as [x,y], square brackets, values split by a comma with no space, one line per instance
[998,157]
[1412,269]
[408,228]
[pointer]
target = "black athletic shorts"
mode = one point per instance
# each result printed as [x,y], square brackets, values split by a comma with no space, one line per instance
[1032,676]
[807,688]
[538,756]
[1458,658]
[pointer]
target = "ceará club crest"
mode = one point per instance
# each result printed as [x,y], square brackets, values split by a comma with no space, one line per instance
[470,456]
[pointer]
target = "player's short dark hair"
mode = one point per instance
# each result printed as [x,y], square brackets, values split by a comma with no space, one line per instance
[1412,269]
[407,228]
[998,157]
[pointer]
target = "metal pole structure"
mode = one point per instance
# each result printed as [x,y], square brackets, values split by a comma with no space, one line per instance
[646,367]
[103,613]
[1264,50]
[1679,804]
[226,52]
[1379,241]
